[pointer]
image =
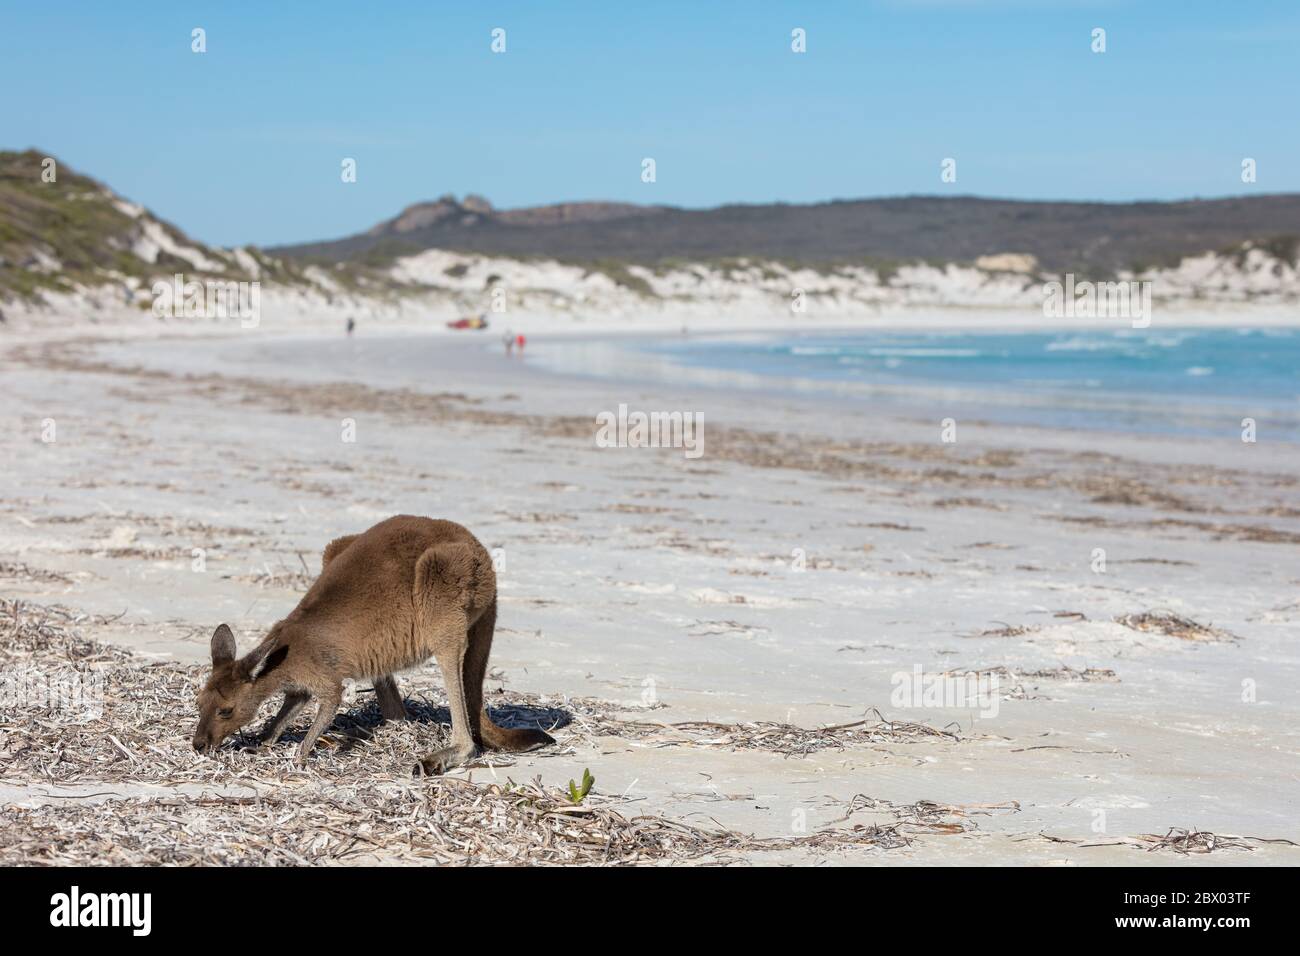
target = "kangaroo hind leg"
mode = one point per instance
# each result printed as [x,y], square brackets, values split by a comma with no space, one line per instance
[448,577]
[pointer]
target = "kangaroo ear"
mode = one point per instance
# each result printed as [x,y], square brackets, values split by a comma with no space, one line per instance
[262,661]
[223,645]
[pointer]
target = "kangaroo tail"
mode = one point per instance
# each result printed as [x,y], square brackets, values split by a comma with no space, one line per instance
[512,739]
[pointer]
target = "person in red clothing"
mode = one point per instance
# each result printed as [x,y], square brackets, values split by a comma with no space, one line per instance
[519,341]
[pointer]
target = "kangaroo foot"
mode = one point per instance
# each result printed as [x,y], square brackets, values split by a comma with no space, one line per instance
[440,761]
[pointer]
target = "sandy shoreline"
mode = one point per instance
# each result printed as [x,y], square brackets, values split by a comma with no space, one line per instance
[635,576]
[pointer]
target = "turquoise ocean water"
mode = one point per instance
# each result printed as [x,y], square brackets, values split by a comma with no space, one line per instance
[1176,381]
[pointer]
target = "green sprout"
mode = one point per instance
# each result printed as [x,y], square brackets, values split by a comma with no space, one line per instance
[578,794]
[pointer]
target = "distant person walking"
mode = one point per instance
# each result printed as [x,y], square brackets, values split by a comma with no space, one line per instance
[352,324]
[519,341]
[508,340]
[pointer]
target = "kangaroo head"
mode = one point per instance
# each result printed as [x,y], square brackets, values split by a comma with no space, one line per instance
[236,689]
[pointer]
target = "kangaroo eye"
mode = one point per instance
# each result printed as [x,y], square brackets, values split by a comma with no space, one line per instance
[225,712]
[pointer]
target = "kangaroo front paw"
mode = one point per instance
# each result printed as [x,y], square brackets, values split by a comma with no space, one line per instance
[304,751]
[448,758]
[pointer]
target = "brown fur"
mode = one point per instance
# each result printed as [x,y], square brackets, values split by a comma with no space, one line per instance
[386,600]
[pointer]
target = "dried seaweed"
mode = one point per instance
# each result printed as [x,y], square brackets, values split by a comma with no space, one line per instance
[16,570]
[1193,841]
[356,798]
[1173,625]
[447,821]
[928,816]
[786,739]
[1006,630]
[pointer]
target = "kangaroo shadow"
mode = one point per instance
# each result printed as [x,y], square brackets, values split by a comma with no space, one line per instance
[359,723]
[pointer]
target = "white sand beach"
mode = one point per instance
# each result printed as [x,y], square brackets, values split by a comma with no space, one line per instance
[716,614]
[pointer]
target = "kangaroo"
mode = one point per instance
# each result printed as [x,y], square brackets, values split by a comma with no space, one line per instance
[386,600]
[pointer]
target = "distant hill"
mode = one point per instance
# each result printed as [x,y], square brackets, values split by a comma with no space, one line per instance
[74,232]
[73,247]
[1089,238]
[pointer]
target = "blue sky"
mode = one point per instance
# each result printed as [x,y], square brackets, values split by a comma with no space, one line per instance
[244,143]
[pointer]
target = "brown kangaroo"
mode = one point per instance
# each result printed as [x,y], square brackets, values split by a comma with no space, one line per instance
[386,600]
